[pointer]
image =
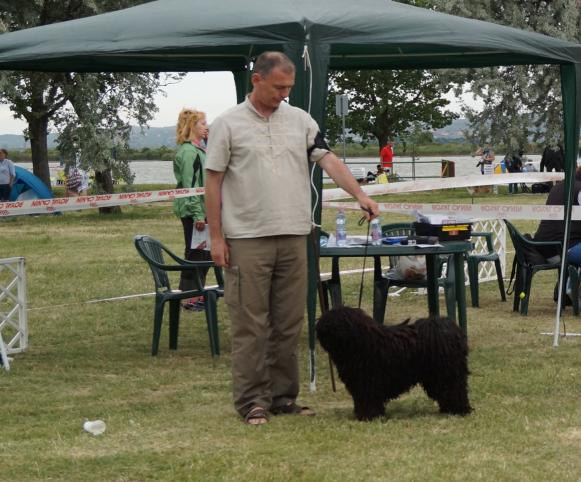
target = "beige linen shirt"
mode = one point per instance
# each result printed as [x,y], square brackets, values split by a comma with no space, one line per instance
[266,187]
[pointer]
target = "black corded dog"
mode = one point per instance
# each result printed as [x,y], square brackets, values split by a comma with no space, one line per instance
[378,363]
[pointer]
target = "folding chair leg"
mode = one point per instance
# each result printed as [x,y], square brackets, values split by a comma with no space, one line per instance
[450,297]
[518,285]
[335,295]
[473,279]
[524,307]
[325,299]
[212,322]
[174,323]
[450,290]
[157,319]
[498,267]
[380,288]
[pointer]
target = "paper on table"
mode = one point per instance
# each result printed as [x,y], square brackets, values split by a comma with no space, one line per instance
[352,241]
[440,218]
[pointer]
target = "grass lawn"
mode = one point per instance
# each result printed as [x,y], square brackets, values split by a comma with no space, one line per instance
[171,417]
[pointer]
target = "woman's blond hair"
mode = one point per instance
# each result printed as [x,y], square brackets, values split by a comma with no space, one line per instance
[186,122]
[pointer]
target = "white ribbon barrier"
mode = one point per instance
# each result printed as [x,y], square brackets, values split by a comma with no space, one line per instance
[47,206]
[474,211]
[447,183]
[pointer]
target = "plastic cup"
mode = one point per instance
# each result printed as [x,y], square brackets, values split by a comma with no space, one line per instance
[94,427]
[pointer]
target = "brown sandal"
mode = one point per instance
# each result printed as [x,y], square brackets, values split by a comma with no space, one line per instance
[256,416]
[292,408]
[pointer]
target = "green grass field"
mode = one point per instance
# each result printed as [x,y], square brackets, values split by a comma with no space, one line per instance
[171,417]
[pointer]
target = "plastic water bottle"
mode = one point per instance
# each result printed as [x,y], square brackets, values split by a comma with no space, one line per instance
[376,232]
[340,229]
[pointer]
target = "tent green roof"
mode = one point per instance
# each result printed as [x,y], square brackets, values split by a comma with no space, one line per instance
[223,34]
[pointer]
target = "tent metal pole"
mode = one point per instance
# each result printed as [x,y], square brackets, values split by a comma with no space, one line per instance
[571,94]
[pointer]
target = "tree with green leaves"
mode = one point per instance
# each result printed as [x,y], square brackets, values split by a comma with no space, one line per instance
[519,102]
[91,112]
[388,104]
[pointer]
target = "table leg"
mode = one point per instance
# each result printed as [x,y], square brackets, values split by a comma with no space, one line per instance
[460,291]
[334,284]
[432,285]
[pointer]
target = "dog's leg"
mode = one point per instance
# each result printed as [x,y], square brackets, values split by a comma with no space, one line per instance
[452,397]
[368,408]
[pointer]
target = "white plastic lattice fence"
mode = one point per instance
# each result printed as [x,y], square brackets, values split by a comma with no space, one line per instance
[487,271]
[13,316]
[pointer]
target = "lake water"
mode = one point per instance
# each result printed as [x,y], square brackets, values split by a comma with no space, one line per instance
[156,172]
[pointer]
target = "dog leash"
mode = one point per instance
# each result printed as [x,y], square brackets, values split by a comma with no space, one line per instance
[360,223]
[322,298]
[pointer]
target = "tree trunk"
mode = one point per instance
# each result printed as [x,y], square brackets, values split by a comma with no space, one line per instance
[382,140]
[38,130]
[104,182]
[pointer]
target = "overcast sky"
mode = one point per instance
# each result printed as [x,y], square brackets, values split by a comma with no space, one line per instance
[210,92]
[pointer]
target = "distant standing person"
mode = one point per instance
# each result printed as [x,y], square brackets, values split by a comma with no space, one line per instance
[188,168]
[386,155]
[515,164]
[74,180]
[485,162]
[550,230]
[553,159]
[7,175]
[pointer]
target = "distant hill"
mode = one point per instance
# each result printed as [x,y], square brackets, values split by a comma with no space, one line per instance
[151,137]
[165,136]
[453,131]
[13,141]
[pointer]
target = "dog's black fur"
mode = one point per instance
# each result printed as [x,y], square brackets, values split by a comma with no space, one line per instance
[378,363]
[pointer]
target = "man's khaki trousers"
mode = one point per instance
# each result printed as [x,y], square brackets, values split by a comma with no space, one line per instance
[265,290]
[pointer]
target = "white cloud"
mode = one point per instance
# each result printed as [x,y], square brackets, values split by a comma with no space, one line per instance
[8,124]
[210,92]
[466,98]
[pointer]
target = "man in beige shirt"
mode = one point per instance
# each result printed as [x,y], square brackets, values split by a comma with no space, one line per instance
[258,210]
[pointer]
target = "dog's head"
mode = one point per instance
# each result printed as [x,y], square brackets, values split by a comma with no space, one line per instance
[339,328]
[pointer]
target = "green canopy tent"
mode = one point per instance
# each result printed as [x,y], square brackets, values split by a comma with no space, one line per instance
[190,35]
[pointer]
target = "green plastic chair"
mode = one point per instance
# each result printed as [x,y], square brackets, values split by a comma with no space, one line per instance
[524,267]
[152,251]
[473,260]
[386,281]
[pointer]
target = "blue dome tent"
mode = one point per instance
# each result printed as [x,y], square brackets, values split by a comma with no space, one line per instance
[28,186]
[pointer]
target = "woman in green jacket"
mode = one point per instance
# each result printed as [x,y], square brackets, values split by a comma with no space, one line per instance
[188,168]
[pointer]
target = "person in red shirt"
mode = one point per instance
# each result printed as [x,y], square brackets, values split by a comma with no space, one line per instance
[387,157]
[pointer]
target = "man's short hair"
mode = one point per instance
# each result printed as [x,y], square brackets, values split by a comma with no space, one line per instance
[267,61]
[5,152]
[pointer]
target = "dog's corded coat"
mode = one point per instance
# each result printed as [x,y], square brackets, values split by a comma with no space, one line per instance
[378,363]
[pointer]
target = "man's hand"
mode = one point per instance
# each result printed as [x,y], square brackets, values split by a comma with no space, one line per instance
[369,206]
[220,252]
[200,225]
